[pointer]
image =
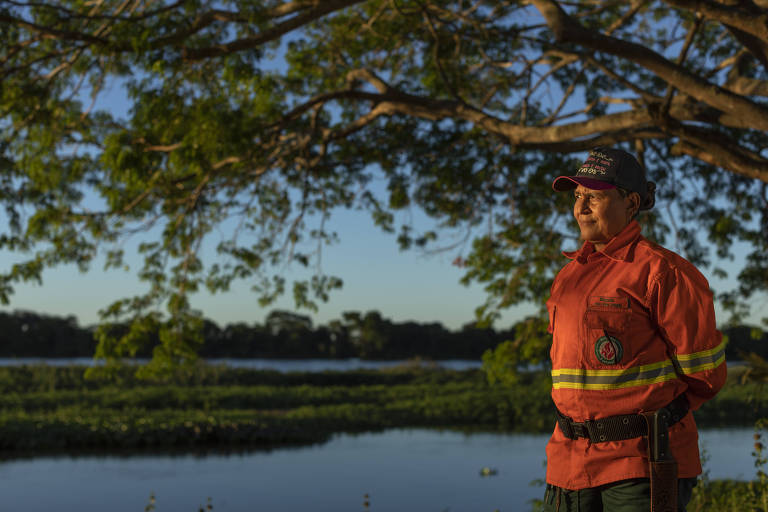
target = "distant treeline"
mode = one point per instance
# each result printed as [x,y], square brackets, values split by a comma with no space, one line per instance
[282,335]
[289,335]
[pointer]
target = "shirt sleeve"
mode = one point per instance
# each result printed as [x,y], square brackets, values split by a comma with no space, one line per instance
[683,306]
[551,307]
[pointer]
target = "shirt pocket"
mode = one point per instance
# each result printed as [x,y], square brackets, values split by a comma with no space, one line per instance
[606,322]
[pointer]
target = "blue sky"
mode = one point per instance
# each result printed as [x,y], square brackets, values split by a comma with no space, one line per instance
[377,276]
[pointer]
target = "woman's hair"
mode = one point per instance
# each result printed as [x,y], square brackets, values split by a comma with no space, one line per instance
[645,204]
[650,196]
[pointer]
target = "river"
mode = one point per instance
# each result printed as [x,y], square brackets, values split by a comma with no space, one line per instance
[281,365]
[400,470]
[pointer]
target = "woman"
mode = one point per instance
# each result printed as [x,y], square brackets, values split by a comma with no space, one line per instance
[634,335]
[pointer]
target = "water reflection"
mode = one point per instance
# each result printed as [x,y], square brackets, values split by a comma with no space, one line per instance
[423,470]
[281,365]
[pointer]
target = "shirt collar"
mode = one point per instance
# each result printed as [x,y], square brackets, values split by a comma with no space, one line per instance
[618,248]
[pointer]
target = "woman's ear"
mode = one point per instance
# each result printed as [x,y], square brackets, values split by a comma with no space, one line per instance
[634,204]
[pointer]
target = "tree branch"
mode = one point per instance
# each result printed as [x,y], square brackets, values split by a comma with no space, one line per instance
[318,10]
[201,22]
[52,33]
[742,17]
[568,30]
[635,6]
[720,156]
[309,11]
[747,86]
[681,59]
[756,47]
[95,16]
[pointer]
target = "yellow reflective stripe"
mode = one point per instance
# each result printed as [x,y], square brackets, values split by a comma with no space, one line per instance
[662,371]
[603,387]
[701,361]
[703,353]
[600,373]
[705,366]
[571,378]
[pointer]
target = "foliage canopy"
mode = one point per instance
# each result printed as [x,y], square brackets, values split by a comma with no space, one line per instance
[276,113]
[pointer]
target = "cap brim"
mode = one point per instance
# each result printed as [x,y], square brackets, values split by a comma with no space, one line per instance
[563,183]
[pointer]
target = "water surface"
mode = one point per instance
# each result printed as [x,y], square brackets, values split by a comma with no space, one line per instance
[281,365]
[401,470]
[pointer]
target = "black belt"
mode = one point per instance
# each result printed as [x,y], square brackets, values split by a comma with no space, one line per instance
[617,428]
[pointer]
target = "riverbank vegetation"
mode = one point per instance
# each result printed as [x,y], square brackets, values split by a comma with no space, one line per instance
[46,408]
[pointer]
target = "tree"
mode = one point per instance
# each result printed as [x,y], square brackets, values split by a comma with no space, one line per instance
[28,334]
[277,113]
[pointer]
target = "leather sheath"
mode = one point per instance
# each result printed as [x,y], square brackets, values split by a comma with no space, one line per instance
[663,469]
[664,486]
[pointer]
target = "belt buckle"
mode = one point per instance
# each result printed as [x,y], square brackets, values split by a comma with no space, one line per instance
[580,429]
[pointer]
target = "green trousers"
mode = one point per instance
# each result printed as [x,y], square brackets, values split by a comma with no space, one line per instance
[632,495]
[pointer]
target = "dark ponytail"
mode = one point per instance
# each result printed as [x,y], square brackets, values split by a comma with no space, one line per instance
[650,196]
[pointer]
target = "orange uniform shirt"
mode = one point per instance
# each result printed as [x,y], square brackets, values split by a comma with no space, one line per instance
[633,327]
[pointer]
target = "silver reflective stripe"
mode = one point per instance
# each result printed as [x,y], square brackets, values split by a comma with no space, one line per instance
[613,379]
[700,361]
[577,378]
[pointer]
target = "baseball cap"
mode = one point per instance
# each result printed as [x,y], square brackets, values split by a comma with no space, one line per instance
[607,168]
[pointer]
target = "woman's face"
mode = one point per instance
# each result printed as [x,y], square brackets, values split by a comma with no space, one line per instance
[602,214]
